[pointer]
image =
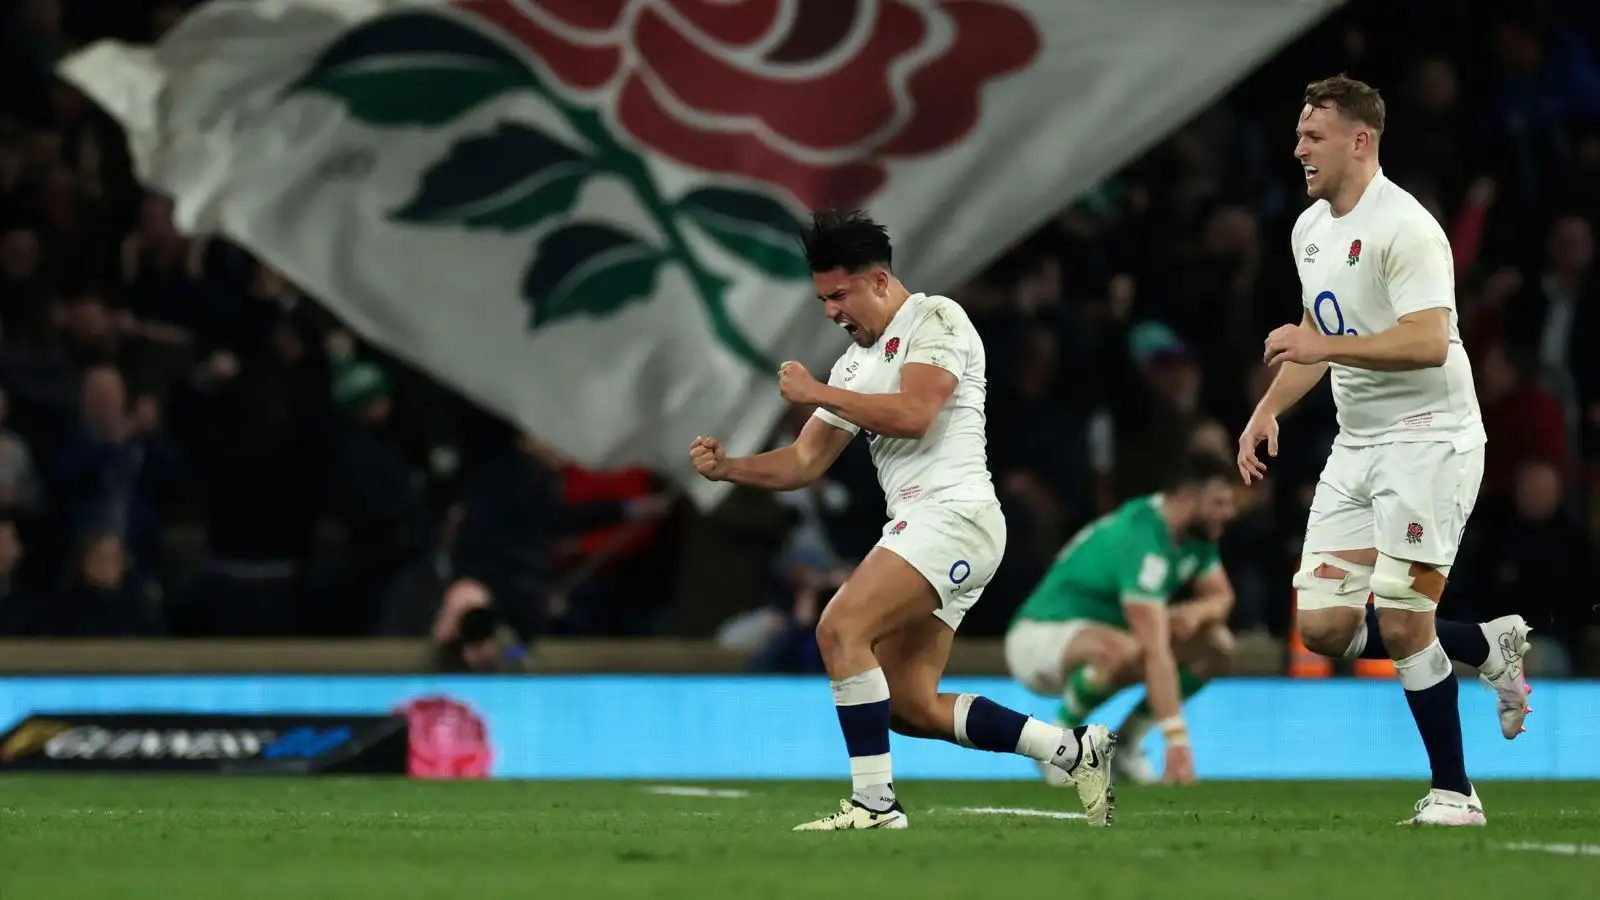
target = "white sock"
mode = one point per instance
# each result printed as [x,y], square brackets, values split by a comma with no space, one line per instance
[1048,743]
[871,775]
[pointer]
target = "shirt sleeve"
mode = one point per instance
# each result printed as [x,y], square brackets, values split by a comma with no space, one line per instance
[1419,272]
[836,379]
[944,337]
[1144,571]
[1210,561]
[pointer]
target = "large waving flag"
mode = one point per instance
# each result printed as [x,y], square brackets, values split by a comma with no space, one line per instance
[581,213]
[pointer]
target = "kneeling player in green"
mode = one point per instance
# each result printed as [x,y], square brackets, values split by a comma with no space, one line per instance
[1100,619]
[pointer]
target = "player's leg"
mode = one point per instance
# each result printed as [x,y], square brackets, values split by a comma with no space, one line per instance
[1330,624]
[1080,661]
[1426,494]
[880,597]
[1335,576]
[914,660]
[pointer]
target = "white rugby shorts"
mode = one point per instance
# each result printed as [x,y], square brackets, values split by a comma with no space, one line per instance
[955,544]
[1410,501]
[1036,650]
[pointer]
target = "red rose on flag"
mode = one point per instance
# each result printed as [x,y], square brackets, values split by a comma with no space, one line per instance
[810,95]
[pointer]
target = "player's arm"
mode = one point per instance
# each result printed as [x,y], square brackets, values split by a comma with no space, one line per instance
[1420,340]
[1213,595]
[1419,274]
[1147,619]
[1293,380]
[792,467]
[1143,584]
[937,352]
[906,413]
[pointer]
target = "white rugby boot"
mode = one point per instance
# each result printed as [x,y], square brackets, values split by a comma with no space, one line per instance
[1448,809]
[854,817]
[1092,775]
[1503,672]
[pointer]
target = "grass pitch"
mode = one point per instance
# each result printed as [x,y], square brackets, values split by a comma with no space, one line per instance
[177,839]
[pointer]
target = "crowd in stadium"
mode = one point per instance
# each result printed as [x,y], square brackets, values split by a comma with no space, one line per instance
[191,446]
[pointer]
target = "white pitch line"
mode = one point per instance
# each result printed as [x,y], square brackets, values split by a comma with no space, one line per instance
[680,790]
[1018,811]
[1556,849]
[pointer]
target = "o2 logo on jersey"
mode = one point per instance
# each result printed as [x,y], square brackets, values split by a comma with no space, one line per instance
[960,571]
[1325,303]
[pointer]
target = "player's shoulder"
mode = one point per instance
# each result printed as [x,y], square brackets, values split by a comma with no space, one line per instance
[1403,218]
[1142,513]
[1310,217]
[936,311]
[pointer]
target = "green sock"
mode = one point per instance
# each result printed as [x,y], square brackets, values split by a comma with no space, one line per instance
[1139,720]
[1082,696]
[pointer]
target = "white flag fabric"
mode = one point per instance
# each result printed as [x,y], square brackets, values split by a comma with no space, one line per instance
[582,213]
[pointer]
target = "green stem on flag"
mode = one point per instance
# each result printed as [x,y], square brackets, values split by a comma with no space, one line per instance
[712,290]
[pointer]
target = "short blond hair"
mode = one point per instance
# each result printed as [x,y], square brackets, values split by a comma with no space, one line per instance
[1355,100]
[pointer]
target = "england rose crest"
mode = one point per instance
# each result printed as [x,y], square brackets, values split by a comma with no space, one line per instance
[447,739]
[891,348]
[1355,253]
[775,107]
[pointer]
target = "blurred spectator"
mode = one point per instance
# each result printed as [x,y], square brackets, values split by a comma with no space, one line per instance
[1523,421]
[19,480]
[1558,316]
[102,596]
[378,495]
[116,469]
[411,603]
[513,516]
[471,634]
[19,607]
[1535,561]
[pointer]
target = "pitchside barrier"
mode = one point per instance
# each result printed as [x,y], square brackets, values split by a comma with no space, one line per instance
[700,727]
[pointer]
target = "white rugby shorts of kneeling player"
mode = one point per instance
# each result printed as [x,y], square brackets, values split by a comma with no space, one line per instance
[1408,500]
[1035,650]
[955,544]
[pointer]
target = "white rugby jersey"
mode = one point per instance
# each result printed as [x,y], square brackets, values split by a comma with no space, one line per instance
[1359,273]
[950,461]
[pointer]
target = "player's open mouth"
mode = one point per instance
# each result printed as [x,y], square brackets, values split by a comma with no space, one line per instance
[851,329]
[1311,172]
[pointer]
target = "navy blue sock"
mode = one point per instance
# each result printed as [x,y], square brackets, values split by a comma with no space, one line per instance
[992,727]
[1374,648]
[1438,717]
[1463,641]
[862,702]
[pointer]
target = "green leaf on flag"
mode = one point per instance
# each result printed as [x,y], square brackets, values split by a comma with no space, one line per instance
[414,69]
[591,270]
[508,180]
[754,227]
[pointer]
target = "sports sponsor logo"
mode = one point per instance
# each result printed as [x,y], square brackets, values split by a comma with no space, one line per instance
[199,742]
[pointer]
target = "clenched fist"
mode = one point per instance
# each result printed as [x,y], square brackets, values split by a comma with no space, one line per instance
[709,459]
[795,384]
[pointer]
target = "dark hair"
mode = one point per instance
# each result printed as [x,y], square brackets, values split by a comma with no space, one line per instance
[1354,100]
[1195,470]
[850,241]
